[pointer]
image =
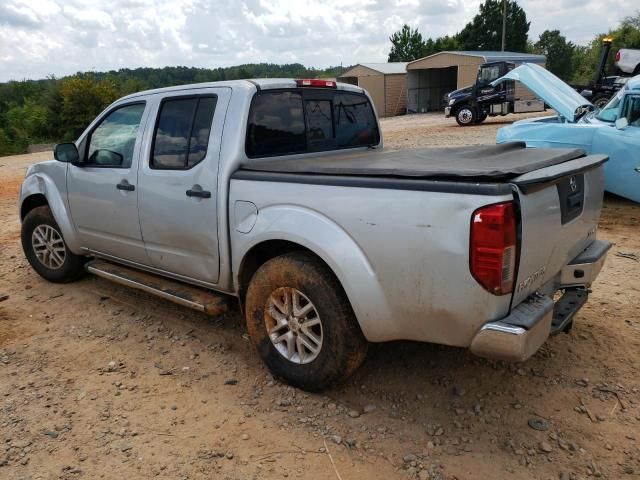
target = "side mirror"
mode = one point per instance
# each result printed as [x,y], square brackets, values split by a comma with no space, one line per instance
[66,152]
[622,123]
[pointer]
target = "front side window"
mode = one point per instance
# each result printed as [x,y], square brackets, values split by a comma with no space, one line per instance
[631,110]
[182,132]
[289,122]
[112,142]
[489,74]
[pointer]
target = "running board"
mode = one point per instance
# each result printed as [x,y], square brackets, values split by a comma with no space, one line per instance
[177,292]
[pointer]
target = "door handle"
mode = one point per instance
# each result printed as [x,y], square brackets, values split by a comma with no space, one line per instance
[637,169]
[124,185]
[199,193]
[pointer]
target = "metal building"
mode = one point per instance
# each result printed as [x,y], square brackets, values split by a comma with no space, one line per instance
[385,82]
[430,78]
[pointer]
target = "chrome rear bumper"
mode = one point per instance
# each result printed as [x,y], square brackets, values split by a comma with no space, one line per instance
[520,334]
[584,269]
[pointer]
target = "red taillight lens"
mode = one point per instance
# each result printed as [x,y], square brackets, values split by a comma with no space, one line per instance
[316,83]
[493,247]
[618,56]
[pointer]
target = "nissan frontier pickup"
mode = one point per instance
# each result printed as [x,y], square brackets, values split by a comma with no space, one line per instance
[279,193]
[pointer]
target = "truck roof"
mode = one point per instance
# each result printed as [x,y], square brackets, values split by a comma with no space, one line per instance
[248,84]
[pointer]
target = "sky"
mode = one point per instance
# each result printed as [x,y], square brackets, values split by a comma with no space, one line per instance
[60,37]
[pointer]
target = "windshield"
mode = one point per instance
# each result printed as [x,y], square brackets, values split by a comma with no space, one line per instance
[610,111]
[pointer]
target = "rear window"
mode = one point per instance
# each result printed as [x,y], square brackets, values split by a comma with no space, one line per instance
[301,121]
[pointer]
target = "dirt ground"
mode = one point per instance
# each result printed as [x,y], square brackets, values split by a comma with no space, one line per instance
[97,381]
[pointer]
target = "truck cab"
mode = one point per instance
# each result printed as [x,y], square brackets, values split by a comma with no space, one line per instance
[473,104]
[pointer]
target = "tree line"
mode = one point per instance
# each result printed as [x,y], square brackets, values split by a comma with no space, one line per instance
[59,109]
[573,63]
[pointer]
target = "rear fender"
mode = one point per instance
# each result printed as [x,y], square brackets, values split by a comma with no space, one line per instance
[334,246]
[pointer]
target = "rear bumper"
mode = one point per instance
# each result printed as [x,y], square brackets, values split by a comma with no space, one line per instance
[520,334]
[584,269]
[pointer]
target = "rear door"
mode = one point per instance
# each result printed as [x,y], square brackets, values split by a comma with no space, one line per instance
[178,182]
[559,213]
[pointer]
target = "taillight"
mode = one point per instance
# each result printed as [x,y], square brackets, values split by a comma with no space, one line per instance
[618,56]
[316,83]
[493,247]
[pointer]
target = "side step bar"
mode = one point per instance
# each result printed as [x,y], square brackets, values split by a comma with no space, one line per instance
[177,292]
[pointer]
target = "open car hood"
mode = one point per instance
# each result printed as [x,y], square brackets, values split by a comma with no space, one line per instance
[555,93]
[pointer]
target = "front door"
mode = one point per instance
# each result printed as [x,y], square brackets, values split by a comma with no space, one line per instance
[622,171]
[179,184]
[101,187]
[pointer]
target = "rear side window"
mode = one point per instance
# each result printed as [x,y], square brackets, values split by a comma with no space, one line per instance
[182,132]
[300,121]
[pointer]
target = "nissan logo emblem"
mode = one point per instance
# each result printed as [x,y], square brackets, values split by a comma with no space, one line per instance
[573,184]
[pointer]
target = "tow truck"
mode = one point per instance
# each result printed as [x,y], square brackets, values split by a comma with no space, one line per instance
[473,104]
[602,87]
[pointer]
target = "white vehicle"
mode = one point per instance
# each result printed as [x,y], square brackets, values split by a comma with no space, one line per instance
[628,61]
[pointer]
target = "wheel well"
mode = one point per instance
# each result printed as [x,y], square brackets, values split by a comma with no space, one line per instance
[31,202]
[261,253]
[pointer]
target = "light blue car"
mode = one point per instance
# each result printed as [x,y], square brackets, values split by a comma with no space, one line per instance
[614,130]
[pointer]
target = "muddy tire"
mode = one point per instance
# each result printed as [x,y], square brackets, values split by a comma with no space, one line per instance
[45,249]
[301,323]
[466,115]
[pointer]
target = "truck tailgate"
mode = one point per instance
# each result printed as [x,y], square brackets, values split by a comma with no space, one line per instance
[559,210]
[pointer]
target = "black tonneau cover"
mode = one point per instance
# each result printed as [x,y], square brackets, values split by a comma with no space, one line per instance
[491,163]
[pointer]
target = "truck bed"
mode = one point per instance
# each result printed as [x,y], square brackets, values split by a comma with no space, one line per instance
[494,163]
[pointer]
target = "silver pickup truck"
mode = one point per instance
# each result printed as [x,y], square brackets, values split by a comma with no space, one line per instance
[278,192]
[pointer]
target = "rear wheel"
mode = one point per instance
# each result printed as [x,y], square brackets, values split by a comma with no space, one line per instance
[466,115]
[45,249]
[301,323]
[481,117]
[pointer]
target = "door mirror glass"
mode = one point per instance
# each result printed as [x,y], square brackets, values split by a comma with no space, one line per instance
[66,152]
[622,123]
[105,158]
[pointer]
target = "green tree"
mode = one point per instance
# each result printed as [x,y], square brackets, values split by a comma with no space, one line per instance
[484,32]
[83,97]
[559,53]
[441,44]
[406,45]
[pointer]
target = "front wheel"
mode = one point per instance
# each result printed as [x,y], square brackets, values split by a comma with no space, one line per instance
[600,100]
[301,323]
[45,249]
[466,115]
